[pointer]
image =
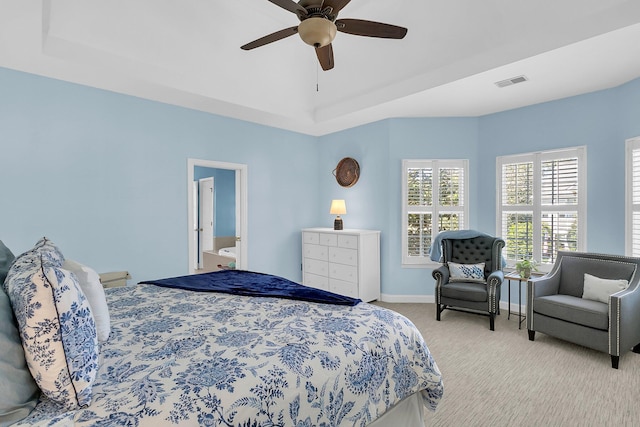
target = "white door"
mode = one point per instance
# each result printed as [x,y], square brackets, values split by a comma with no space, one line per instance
[205,217]
[241,250]
[195,239]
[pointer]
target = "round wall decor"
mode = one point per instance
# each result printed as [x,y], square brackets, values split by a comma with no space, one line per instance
[347,172]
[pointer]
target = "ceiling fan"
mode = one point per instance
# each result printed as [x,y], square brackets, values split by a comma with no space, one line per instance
[319,24]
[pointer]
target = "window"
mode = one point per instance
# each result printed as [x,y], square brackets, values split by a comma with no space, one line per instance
[632,211]
[542,204]
[434,199]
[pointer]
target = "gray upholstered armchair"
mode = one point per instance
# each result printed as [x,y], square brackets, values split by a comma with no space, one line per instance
[606,319]
[479,294]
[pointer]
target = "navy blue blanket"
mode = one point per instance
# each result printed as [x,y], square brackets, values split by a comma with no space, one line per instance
[248,283]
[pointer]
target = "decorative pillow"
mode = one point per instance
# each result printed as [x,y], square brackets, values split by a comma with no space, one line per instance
[46,250]
[56,326]
[49,251]
[6,259]
[90,284]
[18,389]
[466,272]
[598,289]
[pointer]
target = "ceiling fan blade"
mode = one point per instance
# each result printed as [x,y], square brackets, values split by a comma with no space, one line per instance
[273,37]
[335,5]
[325,57]
[291,6]
[360,27]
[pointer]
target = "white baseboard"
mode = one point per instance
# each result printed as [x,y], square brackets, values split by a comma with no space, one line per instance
[514,307]
[504,305]
[407,298]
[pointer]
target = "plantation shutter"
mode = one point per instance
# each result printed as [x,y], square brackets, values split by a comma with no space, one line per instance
[633,198]
[434,200]
[559,207]
[542,204]
[517,209]
[420,210]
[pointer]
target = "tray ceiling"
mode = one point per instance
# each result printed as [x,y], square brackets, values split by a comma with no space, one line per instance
[188,53]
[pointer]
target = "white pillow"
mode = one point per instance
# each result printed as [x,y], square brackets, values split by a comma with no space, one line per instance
[90,284]
[598,289]
[466,272]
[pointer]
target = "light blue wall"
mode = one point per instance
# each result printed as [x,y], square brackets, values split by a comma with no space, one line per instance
[224,197]
[629,102]
[592,120]
[601,121]
[104,175]
[375,201]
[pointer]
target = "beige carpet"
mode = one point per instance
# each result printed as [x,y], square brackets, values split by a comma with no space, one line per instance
[501,378]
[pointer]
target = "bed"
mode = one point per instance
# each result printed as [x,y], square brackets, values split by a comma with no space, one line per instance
[211,354]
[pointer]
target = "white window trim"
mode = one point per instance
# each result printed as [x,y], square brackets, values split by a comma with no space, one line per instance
[421,262]
[538,157]
[631,145]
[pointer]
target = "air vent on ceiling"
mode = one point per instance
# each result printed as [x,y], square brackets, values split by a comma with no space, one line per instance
[511,81]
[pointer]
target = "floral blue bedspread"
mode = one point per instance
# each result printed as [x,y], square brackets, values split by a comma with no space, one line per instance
[178,357]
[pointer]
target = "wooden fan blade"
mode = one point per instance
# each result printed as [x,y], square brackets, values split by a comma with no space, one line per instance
[325,57]
[360,27]
[291,6]
[273,37]
[335,5]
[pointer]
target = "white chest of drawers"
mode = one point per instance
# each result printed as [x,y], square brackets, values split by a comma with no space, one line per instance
[346,262]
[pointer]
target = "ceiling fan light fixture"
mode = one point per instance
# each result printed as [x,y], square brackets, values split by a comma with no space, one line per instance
[317,32]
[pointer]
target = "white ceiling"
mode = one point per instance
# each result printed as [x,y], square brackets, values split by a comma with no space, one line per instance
[187,53]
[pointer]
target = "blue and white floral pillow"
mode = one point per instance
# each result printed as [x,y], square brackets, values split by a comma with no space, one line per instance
[466,272]
[46,250]
[56,326]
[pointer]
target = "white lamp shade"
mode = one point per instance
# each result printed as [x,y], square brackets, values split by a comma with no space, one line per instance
[338,207]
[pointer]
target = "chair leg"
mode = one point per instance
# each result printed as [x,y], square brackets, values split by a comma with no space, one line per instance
[615,360]
[438,311]
[636,349]
[492,318]
[532,335]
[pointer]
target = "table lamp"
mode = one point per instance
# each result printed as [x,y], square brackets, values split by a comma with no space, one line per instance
[338,208]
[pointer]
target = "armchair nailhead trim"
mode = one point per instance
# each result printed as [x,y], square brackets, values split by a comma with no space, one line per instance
[471,251]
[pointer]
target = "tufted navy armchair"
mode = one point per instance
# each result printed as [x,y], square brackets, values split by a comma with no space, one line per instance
[478,294]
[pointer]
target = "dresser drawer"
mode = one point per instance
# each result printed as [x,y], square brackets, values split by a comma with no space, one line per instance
[348,241]
[315,281]
[344,272]
[315,252]
[343,256]
[343,288]
[315,266]
[328,239]
[308,237]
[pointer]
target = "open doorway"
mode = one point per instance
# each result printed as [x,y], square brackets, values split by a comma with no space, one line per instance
[239,239]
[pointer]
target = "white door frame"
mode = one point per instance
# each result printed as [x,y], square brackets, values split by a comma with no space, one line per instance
[242,235]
